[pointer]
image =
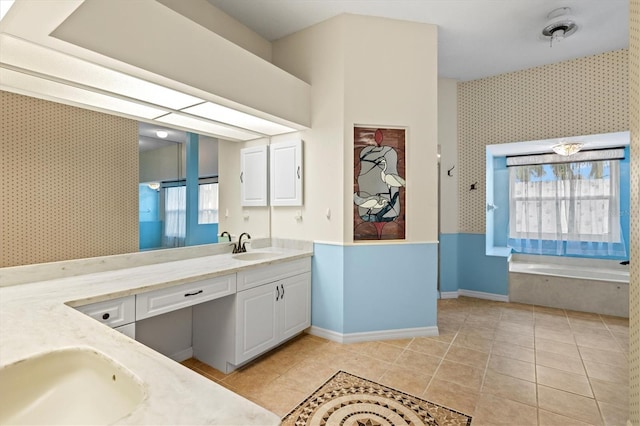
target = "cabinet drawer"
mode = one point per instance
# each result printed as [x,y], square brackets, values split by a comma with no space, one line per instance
[170,299]
[114,313]
[267,274]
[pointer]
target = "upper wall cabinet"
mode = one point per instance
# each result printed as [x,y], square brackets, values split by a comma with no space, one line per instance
[286,172]
[253,176]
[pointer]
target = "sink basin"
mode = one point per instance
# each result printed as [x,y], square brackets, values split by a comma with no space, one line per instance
[69,386]
[255,255]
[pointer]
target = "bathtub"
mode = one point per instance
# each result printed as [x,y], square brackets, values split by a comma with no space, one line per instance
[588,285]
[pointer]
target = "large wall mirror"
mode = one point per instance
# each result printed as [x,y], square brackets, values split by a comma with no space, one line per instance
[163,203]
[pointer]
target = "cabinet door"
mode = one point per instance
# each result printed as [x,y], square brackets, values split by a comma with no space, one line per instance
[286,173]
[256,321]
[294,307]
[253,176]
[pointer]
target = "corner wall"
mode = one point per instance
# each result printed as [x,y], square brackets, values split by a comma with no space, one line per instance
[378,72]
[69,182]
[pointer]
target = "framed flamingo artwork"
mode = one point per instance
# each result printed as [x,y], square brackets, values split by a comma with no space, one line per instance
[379,183]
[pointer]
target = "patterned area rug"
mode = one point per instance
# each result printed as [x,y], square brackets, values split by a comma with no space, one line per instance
[349,400]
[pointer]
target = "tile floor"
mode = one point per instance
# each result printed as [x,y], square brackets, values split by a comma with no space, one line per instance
[502,363]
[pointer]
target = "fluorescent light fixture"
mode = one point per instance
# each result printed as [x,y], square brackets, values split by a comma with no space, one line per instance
[236,118]
[162,134]
[206,127]
[23,54]
[568,148]
[5,5]
[40,87]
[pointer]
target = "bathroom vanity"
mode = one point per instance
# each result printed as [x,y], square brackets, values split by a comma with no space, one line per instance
[242,307]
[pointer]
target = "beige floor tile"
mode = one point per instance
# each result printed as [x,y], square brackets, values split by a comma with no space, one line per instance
[401,343]
[405,380]
[482,321]
[569,404]
[279,400]
[587,323]
[452,395]
[547,418]
[608,373]
[513,367]
[419,362]
[560,362]
[473,342]
[510,388]
[553,323]
[486,333]
[206,369]
[429,346]
[306,376]
[492,410]
[515,338]
[467,356]
[250,382]
[445,335]
[566,349]
[602,356]
[546,310]
[508,350]
[367,367]
[611,393]
[461,374]
[569,382]
[562,336]
[519,329]
[381,351]
[613,415]
[598,342]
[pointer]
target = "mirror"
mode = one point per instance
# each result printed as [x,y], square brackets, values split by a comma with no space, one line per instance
[163,165]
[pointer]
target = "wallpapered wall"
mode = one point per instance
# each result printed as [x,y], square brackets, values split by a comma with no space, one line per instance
[69,185]
[578,97]
[634,289]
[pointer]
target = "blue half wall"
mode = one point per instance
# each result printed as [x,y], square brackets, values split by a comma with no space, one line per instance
[371,288]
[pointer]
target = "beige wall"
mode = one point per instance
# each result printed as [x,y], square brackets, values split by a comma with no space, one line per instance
[363,71]
[204,13]
[634,287]
[69,182]
[448,141]
[572,98]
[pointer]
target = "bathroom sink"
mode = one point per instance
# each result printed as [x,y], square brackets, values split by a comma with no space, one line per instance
[69,386]
[255,255]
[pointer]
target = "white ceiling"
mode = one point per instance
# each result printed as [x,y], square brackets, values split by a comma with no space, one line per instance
[476,38]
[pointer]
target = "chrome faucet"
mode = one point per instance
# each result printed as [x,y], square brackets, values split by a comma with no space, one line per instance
[240,247]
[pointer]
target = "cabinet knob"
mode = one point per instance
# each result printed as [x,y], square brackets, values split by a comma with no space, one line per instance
[105,316]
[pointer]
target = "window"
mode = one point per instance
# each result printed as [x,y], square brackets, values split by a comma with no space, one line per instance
[208,203]
[565,208]
[175,214]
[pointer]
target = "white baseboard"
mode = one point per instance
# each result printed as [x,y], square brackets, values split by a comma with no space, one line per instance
[449,294]
[483,295]
[182,355]
[367,336]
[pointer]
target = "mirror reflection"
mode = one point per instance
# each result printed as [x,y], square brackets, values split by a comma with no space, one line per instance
[171,213]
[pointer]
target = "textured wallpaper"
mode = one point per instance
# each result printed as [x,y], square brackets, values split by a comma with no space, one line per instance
[578,97]
[634,287]
[69,182]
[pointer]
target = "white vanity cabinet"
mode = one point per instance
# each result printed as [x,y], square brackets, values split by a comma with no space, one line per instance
[272,304]
[286,172]
[253,176]
[119,314]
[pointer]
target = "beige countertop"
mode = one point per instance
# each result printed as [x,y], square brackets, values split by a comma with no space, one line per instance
[37,317]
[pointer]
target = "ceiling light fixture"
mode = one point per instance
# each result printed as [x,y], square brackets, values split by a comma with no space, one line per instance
[162,134]
[559,26]
[568,148]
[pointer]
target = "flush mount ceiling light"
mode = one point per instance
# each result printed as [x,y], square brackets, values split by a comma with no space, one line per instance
[568,148]
[162,134]
[559,26]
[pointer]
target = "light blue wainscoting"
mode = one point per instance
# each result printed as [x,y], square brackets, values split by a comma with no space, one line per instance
[374,288]
[449,276]
[479,272]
